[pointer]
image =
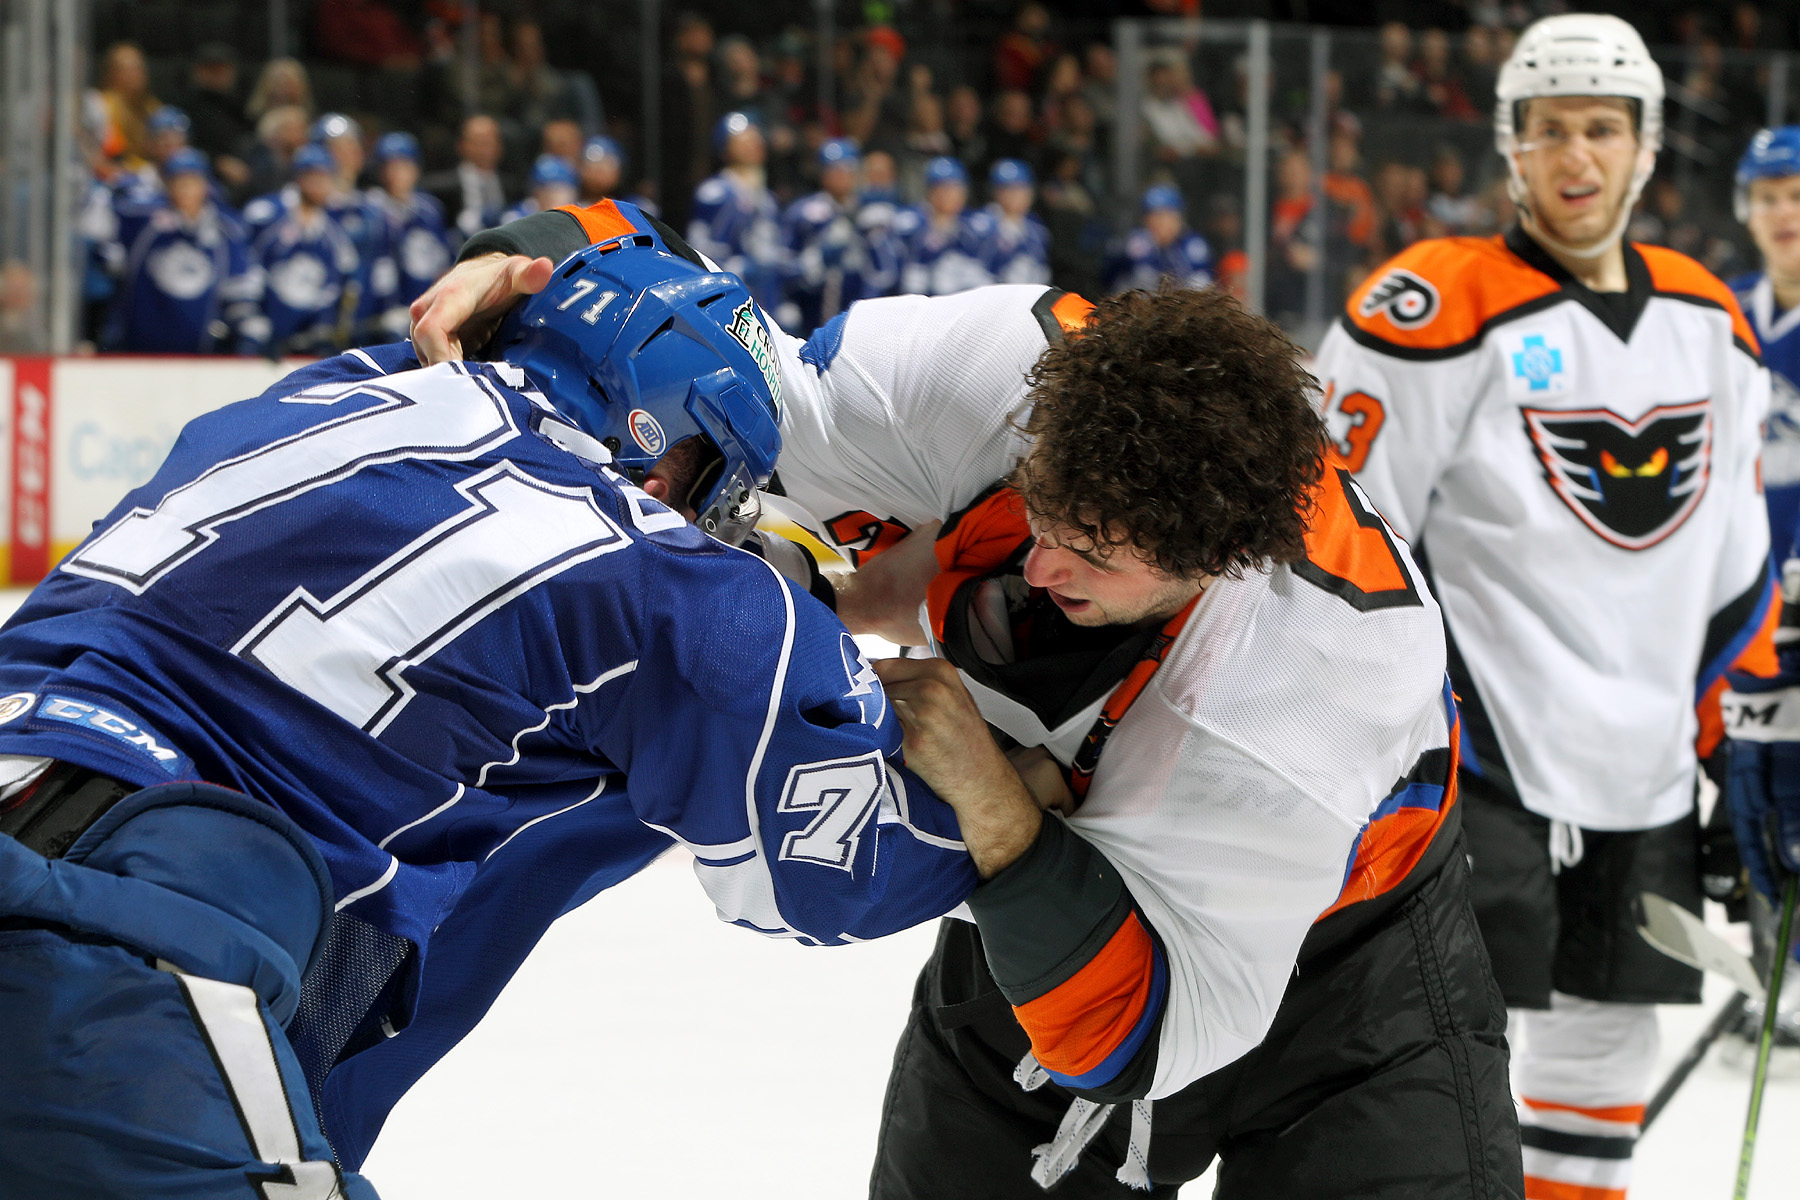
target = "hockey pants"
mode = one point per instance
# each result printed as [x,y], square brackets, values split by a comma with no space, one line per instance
[145,977]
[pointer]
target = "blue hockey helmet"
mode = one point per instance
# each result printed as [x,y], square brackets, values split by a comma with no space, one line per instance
[1010,172]
[1773,154]
[840,152]
[313,157]
[599,149]
[1163,197]
[944,169]
[642,348]
[549,169]
[728,127]
[333,125]
[186,161]
[390,146]
[168,119]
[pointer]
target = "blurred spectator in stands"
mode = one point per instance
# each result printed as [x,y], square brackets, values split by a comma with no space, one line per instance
[418,243]
[925,141]
[828,255]
[1071,214]
[1351,218]
[1161,247]
[744,88]
[495,85]
[1101,86]
[187,286]
[1062,79]
[1017,249]
[1397,85]
[360,220]
[1296,237]
[1451,207]
[552,184]
[1400,195]
[281,83]
[877,204]
[599,171]
[365,33]
[735,220]
[1444,90]
[940,241]
[563,138]
[1022,51]
[1178,115]
[1704,74]
[1480,66]
[540,92]
[343,137]
[689,112]
[279,133]
[125,90]
[306,267]
[876,108]
[962,121]
[1012,132]
[472,192]
[1078,138]
[220,129]
[19,320]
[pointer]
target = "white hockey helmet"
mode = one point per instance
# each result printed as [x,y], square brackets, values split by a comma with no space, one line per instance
[1580,54]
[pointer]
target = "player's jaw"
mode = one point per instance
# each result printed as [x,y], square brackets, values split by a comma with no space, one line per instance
[1103,585]
[1578,158]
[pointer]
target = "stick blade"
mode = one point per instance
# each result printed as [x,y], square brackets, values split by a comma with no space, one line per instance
[1684,937]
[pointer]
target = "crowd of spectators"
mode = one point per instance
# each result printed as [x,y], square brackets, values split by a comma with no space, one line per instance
[307,230]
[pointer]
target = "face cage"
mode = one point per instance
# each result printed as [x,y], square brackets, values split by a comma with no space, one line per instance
[736,507]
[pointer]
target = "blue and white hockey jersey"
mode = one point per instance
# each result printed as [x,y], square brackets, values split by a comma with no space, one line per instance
[486,675]
[304,262]
[1016,251]
[186,286]
[828,259]
[1779,333]
[418,244]
[937,260]
[1141,263]
[738,226]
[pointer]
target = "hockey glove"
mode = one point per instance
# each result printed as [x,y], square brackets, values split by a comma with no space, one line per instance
[1762,779]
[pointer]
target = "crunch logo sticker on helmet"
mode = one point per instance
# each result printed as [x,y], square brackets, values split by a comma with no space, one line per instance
[754,337]
[646,432]
[1409,301]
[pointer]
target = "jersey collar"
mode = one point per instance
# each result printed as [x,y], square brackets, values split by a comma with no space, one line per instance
[1619,316]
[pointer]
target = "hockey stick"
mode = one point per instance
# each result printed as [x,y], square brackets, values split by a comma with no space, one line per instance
[1727,1016]
[1784,944]
[1684,937]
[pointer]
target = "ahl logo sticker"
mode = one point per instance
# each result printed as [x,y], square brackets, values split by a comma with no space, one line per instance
[16,705]
[646,432]
[1632,482]
[1408,301]
[753,336]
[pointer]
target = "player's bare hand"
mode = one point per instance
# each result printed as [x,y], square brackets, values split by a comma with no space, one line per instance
[465,306]
[883,595]
[1043,777]
[947,744]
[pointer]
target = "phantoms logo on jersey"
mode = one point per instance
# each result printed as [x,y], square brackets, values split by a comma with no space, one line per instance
[1408,300]
[1631,482]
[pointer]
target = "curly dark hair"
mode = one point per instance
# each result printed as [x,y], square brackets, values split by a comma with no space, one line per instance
[1180,424]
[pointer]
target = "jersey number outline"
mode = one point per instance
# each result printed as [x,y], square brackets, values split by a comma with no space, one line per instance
[350,651]
[1367,415]
[845,793]
[861,535]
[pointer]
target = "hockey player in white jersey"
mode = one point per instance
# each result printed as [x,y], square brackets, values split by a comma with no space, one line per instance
[1258,910]
[1567,427]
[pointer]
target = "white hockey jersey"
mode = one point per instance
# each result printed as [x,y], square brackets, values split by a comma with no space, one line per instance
[1579,473]
[1289,755]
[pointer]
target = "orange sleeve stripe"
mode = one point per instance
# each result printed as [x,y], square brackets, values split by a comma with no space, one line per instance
[982,537]
[1076,1025]
[1343,546]
[601,222]
[1672,271]
[1477,279]
[1390,849]
[1756,658]
[1071,312]
[1537,1188]
[1624,1114]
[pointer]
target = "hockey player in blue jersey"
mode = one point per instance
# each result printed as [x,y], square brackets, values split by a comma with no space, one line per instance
[735,220]
[307,266]
[1768,202]
[827,253]
[1017,249]
[304,748]
[941,241]
[418,243]
[1161,247]
[553,184]
[186,287]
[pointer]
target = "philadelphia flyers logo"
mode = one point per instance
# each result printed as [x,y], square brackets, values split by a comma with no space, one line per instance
[1408,300]
[1632,482]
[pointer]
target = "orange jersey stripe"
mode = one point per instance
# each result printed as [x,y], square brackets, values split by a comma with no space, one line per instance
[1628,1114]
[1075,1025]
[1756,658]
[1338,543]
[1071,312]
[1672,271]
[601,222]
[981,538]
[1555,1189]
[1473,281]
